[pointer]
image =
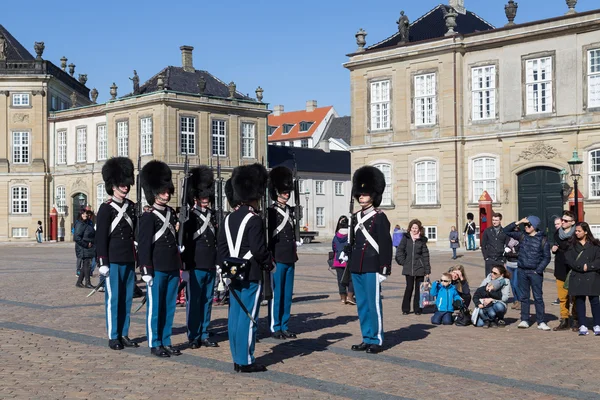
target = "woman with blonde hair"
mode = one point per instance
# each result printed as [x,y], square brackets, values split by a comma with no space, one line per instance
[461,283]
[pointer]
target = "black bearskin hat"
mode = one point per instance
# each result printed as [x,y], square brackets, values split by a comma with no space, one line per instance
[231,199]
[470,216]
[281,179]
[117,171]
[201,183]
[249,182]
[368,180]
[155,178]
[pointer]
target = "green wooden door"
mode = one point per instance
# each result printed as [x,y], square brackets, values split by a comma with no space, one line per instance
[540,194]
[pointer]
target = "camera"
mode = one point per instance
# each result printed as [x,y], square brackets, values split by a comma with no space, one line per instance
[235,268]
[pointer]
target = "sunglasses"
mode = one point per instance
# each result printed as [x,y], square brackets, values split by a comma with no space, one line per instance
[446,280]
[566,220]
[528,225]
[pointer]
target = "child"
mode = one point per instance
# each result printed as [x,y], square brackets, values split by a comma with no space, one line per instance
[485,297]
[446,295]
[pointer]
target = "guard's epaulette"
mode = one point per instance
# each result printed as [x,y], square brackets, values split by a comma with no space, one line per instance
[108,201]
[378,211]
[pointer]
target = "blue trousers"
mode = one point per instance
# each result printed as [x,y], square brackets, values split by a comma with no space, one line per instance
[281,305]
[117,299]
[440,317]
[199,303]
[370,307]
[470,242]
[241,330]
[160,308]
[529,280]
[514,281]
[496,310]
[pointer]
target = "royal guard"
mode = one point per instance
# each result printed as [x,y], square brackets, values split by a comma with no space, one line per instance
[199,256]
[370,255]
[160,261]
[115,249]
[242,255]
[283,245]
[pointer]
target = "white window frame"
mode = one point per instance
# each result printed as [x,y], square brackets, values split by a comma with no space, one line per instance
[425,99]
[595,229]
[248,140]
[187,135]
[320,187]
[291,143]
[19,232]
[304,143]
[100,195]
[386,169]
[284,126]
[19,200]
[483,87]
[146,136]
[488,178]
[218,137]
[301,186]
[61,199]
[21,100]
[21,150]
[102,139]
[594,173]
[539,85]
[380,107]
[426,183]
[81,137]
[61,147]
[431,233]
[123,138]
[338,188]
[593,78]
[320,217]
[271,130]
[305,124]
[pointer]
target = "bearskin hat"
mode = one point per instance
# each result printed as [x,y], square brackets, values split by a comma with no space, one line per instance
[117,171]
[470,216]
[201,183]
[281,179]
[155,178]
[368,180]
[249,182]
[231,199]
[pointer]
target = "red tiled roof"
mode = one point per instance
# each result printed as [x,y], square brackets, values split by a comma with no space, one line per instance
[295,117]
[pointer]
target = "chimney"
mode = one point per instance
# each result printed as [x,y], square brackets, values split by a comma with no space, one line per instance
[311,105]
[458,5]
[186,58]
[277,110]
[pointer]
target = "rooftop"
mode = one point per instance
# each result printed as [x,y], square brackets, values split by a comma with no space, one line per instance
[309,160]
[293,120]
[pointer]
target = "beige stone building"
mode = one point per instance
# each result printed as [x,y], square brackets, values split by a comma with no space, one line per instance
[447,115]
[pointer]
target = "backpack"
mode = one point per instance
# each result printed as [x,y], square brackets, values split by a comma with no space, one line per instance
[464,317]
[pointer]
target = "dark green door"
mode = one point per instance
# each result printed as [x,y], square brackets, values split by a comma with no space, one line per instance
[540,194]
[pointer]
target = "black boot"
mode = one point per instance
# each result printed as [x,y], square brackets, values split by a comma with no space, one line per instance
[126,342]
[562,326]
[115,344]
[251,368]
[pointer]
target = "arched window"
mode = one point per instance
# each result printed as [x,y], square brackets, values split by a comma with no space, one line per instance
[484,177]
[386,198]
[426,182]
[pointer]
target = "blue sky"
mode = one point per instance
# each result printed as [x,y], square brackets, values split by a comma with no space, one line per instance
[294,50]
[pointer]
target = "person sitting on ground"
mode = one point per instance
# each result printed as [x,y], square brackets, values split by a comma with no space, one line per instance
[461,283]
[446,296]
[495,314]
[485,299]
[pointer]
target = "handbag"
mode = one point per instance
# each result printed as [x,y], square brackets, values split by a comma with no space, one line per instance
[568,278]
[330,259]
[425,298]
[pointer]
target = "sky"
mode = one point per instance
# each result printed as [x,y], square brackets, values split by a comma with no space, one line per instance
[294,50]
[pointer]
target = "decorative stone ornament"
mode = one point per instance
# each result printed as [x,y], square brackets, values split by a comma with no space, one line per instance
[571,4]
[360,40]
[82,78]
[259,94]
[39,49]
[71,69]
[403,27]
[113,91]
[450,17]
[94,95]
[201,85]
[63,63]
[73,100]
[511,12]
[160,82]
[232,90]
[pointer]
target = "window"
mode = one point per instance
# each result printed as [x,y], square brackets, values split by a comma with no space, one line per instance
[593,78]
[20,200]
[146,136]
[291,143]
[431,232]
[319,187]
[594,173]
[425,106]
[386,198]
[595,229]
[305,126]
[484,177]
[539,85]
[188,135]
[20,232]
[218,138]
[102,142]
[81,144]
[61,147]
[287,128]
[272,129]
[20,100]
[339,188]
[21,147]
[100,195]
[301,186]
[248,139]
[380,105]
[61,199]
[484,92]
[123,139]
[426,182]
[304,143]
[320,216]
[54,103]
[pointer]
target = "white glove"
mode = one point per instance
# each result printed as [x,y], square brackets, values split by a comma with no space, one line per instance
[185,276]
[227,281]
[148,279]
[219,270]
[181,248]
[135,244]
[381,277]
[300,243]
[104,271]
[343,257]
[507,250]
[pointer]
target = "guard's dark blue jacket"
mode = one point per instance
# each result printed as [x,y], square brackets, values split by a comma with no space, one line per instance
[200,253]
[116,247]
[282,245]
[162,255]
[364,257]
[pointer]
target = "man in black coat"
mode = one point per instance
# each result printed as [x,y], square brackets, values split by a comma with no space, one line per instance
[493,243]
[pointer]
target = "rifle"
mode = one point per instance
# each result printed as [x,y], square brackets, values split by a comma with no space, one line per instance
[219,192]
[297,201]
[267,288]
[138,198]
[184,211]
[348,249]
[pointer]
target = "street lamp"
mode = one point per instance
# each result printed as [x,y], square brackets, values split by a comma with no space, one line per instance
[565,185]
[575,167]
[306,196]
[82,202]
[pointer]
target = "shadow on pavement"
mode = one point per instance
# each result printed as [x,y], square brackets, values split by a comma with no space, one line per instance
[300,347]
[309,298]
[408,334]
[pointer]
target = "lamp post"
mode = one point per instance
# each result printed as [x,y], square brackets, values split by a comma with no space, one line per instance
[575,167]
[565,186]
[306,196]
